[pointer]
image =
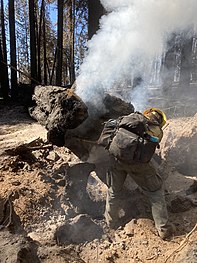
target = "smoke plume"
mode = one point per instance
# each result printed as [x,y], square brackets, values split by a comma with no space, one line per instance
[131,35]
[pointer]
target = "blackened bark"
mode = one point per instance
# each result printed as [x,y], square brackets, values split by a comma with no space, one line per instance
[33,46]
[53,68]
[1,70]
[39,41]
[59,43]
[95,11]
[4,69]
[72,37]
[13,50]
[44,46]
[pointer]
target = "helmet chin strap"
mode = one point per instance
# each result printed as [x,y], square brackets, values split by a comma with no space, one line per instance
[157,117]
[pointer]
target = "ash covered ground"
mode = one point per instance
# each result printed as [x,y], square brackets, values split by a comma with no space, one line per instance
[51,203]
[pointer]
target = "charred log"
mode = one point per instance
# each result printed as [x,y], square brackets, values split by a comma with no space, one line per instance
[116,107]
[58,109]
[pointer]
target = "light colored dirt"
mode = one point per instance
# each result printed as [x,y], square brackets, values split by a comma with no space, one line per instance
[38,198]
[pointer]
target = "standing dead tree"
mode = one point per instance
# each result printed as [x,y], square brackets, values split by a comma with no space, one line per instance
[59,43]
[3,58]
[33,45]
[13,49]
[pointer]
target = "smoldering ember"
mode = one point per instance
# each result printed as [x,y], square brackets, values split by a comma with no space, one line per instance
[69,107]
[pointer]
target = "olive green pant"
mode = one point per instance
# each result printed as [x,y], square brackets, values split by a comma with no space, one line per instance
[145,175]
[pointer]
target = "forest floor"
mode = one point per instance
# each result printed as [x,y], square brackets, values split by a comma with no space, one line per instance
[40,222]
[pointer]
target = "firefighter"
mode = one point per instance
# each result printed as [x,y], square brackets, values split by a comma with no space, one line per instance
[146,177]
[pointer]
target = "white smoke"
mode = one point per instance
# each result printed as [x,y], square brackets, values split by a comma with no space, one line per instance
[131,35]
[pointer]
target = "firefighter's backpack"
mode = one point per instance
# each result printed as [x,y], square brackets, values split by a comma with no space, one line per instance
[126,138]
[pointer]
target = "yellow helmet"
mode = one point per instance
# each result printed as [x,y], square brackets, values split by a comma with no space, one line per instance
[156,113]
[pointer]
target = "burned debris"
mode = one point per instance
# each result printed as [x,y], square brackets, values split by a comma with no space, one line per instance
[58,109]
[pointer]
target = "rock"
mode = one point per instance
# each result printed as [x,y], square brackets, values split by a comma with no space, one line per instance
[129,228]
[53,156]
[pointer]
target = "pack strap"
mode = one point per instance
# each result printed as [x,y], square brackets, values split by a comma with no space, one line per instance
[117,121]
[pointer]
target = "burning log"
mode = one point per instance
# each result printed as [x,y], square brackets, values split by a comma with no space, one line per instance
[58,109]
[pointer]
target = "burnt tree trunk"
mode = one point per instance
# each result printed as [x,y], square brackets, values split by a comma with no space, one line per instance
[95,11]
[72,37]
[39,41]
[44,45]
[13,49]
[59,43]
[58,109]
[5,80]
[3,87]
[33,46]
